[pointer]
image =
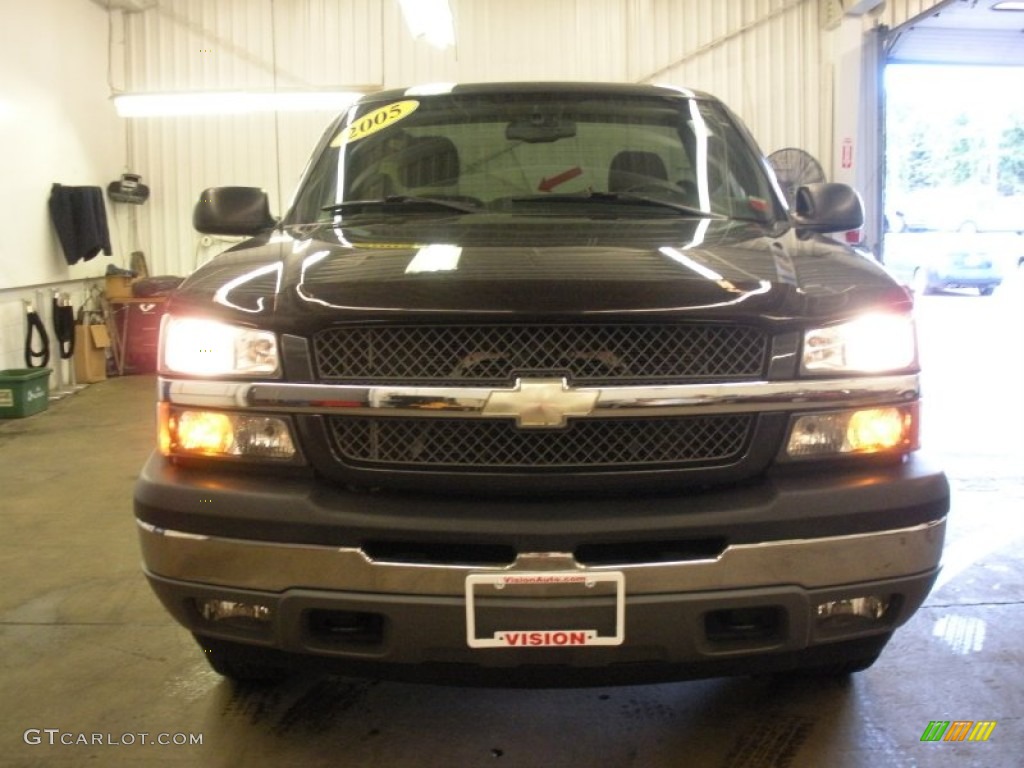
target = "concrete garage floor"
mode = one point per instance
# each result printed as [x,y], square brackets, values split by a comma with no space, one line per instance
[86,649]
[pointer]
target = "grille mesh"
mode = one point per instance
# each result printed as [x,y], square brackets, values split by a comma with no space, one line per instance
[496,444]
[493,354]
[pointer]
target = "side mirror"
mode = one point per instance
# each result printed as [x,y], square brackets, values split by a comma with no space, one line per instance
[232,211]
[828,207]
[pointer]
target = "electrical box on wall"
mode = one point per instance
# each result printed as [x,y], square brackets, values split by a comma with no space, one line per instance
[831,14]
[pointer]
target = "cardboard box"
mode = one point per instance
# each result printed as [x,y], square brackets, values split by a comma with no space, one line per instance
[23,392]
[118,287]
[91,344]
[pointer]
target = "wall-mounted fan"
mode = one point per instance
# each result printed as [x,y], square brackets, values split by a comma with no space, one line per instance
[794,168]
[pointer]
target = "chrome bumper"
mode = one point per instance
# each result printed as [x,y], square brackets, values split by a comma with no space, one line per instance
[807,563]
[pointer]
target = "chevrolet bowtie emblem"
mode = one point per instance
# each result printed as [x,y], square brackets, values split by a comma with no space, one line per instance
[541,403]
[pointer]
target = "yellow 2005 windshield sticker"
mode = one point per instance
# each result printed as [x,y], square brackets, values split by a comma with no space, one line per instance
[375,121]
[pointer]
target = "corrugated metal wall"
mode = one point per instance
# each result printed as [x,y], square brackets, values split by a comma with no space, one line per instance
[766,58]
[223,45]
[769,59]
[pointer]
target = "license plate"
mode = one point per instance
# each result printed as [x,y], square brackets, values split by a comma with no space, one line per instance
[545,609]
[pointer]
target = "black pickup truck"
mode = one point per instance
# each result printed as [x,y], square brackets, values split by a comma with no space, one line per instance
[539,384]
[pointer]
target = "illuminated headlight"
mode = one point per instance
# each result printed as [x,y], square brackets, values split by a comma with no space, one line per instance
[891,429]
[200,347]
[870,344]
[191,432]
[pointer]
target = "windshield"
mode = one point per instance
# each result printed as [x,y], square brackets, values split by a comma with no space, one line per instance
[514,152]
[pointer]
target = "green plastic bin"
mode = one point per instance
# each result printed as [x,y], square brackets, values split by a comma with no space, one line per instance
[23,392]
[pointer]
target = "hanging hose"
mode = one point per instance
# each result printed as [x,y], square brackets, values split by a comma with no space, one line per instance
[64,326]
[35,326]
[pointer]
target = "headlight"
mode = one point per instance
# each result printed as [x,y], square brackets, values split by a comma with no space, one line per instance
[870,344]
[892,429]
[223,434]
[210,348]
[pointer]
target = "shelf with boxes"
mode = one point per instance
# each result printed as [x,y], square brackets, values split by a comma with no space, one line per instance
[133,309]
[134,328]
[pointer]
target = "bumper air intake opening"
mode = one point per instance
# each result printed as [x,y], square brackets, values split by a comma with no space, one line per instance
[738,628]
[439,553]
[354,629]
[642,552]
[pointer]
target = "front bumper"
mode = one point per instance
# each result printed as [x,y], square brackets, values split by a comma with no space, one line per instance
[274,569]
[753,609]
[379,582]
[807,503]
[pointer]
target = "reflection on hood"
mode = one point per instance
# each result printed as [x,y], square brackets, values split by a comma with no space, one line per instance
[552,266]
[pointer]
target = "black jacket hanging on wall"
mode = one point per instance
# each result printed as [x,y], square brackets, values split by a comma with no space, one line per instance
[80,218]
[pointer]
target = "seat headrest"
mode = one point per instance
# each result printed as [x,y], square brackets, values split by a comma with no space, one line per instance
[429,162]
[632,167]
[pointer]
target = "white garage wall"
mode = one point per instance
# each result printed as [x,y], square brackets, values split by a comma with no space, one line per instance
[57,125]
[771,60]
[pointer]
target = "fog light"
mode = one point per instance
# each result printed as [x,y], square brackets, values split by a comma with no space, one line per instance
[872,430]
[851,614]
[204,432]
[229,610]
[227,434]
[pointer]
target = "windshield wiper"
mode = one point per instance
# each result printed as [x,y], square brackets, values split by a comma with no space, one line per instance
[620,197]
[410,201]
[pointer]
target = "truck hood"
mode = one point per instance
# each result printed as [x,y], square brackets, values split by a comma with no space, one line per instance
[541,267]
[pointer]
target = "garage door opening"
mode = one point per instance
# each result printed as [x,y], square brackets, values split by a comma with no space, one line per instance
[955,159]
[953,211]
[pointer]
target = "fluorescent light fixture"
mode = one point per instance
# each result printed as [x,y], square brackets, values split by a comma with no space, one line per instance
[230,102]
[1009,5]
[431,20]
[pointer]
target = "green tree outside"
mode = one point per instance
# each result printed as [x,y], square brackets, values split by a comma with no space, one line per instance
[967,138]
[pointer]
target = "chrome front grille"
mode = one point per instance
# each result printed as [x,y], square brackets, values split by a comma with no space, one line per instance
[496,354]
[497,445]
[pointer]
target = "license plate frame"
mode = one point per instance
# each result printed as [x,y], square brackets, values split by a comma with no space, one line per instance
[506,583]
